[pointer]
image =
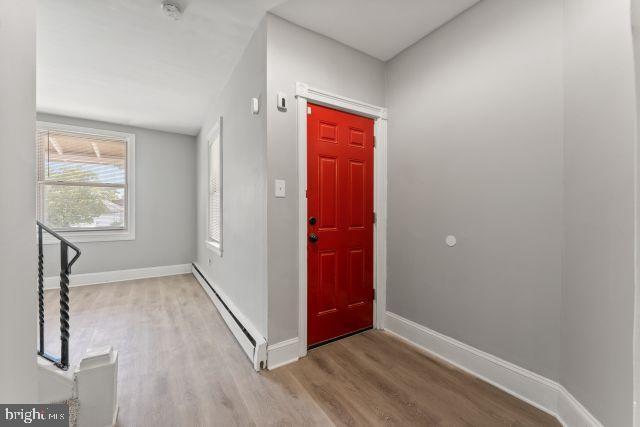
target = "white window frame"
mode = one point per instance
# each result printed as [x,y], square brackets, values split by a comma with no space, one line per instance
[215,133]
[101,235]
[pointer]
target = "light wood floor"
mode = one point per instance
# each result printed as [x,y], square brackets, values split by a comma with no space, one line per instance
[180,366]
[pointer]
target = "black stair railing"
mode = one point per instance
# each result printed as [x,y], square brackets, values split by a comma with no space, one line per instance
[65,270]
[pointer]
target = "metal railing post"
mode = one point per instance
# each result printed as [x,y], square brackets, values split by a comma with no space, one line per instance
[40,291]
[64,306]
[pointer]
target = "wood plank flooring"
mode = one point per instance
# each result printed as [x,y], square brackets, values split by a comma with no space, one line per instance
[180,366]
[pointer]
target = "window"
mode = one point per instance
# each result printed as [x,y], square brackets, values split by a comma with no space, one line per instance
[85,182]
[214,225]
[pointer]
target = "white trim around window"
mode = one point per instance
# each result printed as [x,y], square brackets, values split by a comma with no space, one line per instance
[102,235]
[215,190]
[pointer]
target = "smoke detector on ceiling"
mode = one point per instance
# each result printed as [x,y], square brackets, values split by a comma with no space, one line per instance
[171,10]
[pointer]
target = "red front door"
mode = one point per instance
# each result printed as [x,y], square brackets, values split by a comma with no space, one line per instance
[339,223]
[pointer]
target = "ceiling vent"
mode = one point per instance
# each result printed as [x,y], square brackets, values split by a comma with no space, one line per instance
[171,10]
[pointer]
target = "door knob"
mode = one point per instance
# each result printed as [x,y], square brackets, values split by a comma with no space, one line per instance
[313,237]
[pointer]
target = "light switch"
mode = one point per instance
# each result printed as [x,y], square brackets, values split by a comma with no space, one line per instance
[281,189]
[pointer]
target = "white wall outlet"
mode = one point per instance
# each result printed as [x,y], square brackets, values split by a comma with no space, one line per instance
[255,106]
[280,188]
[282,101]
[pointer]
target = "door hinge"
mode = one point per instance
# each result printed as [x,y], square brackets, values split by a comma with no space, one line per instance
[374,294]
[308,110]
[374,141]
[374,218]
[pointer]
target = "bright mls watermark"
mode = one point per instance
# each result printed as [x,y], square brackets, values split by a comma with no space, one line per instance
[34,415]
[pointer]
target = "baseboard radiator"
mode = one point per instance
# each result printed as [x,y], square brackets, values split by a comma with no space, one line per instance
[252,342]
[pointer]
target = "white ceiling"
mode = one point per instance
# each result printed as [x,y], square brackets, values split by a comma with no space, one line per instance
[381,28]
[122,61]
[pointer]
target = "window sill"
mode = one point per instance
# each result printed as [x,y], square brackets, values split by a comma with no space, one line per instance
[214,247]
[89,236]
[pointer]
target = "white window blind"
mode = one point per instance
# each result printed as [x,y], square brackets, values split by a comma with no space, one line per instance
[82,180]
[214,233]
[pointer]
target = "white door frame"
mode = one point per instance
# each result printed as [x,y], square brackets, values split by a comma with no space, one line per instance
[305,94]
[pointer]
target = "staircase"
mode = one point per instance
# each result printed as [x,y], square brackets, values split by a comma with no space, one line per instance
[91,386]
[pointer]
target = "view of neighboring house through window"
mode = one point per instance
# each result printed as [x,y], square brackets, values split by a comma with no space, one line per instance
[214,233]
[83,178]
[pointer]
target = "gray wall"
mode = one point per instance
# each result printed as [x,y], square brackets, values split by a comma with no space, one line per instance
[475,150]
[241,271]
[296,54]
[165,205]
[18,256]
[600,163]
[514,127]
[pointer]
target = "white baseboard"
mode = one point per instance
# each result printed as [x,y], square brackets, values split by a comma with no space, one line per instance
[282,353]
[257,353]
[118,275]
[571,412]
[541,392]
